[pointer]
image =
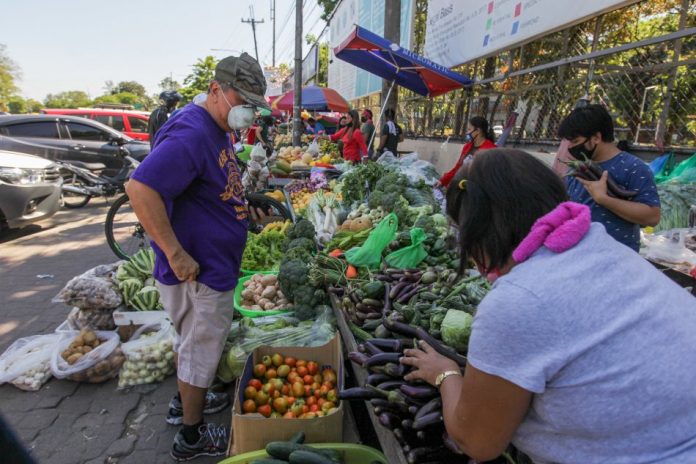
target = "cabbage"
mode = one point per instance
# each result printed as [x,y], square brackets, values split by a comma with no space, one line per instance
[456,329]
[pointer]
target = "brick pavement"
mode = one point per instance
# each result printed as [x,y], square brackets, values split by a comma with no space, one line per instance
[66,422]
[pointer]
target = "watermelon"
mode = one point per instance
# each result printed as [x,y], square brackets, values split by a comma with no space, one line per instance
[147,299]
[283,166]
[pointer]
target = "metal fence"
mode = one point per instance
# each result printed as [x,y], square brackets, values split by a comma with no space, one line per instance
[638,61]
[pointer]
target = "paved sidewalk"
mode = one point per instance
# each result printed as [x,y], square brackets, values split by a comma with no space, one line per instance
[66,422]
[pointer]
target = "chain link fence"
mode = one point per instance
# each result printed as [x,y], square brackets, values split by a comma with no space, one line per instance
[638,61]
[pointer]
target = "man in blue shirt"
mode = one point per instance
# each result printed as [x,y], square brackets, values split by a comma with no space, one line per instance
[315,127]
[590,133]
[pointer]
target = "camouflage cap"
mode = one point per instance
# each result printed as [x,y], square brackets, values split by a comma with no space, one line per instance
[244,74]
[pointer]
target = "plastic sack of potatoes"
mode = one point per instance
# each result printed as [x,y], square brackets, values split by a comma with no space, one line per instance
[94,289]
[26,363]
[87,356]
[149,355]
[93,319]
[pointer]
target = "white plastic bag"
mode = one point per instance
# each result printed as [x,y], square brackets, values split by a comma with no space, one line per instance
[669,248]
[95,289]
[93,319]
[149,355]
[258,154]
[27,362]
[313,148]
[95,366]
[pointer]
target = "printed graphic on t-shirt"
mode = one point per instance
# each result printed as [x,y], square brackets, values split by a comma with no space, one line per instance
[234,190]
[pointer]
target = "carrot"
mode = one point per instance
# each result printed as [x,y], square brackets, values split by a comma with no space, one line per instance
[336,253]
[351,272]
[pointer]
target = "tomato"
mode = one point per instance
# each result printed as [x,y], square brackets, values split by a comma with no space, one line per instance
[316,387]
[277,359]
[308,379]
[312,367]
[311,400]
[324,390]
[300,363]
[276,415]
[268,388]
[328,375]
[302,371]
[321,402]
[298,389]
[309,415]
[262,398]
[314,408]
[280,405]
[293,377]
[290,399]
[249,406]
[289,415]
[297,409]
[305,409]
[259,370]
[283,370]
[332,395]
[327,406]
[290,361]
[277,383]
[271,373]
[266,360]
[285,390]
[328,385]
[308,391]
[317,378]
[256,383]
[250,393]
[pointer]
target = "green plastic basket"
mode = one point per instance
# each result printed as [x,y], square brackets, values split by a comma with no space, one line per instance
[238,298]
[247,273]
[352,454]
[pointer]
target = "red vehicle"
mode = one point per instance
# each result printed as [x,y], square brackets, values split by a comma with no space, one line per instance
[131,123]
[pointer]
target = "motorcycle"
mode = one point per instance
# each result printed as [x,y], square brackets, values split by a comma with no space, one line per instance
[82,181]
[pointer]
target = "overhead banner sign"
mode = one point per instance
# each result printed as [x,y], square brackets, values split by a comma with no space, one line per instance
[461,31]
[310,64]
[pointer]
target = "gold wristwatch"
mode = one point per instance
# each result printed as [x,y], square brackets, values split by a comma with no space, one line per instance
[441,378]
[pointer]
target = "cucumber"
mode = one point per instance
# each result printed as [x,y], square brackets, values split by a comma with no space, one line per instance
[374,290]
[310,457]
[299,438]
[283,450]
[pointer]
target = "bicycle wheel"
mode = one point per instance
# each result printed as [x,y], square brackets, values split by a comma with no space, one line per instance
[265,210]
[124,233]
[73,200]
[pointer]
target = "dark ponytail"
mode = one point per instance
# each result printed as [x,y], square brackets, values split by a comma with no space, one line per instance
[479,122]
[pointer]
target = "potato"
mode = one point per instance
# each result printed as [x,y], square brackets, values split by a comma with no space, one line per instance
[269,279]
[89,337]
[79,340]
[86,349]
[74,358]
[102,367]
[66,354]
[269,306]
[74,345]
[269,293]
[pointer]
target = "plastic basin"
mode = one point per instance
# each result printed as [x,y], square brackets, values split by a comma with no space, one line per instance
[352,454]
[238,298]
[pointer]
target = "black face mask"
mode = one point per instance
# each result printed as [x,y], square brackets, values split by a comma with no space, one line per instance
[580,152]
[363,119]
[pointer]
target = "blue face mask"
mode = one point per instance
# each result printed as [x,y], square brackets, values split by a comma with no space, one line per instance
[469,137]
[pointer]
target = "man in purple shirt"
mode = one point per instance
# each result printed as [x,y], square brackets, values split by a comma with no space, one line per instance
[188,195]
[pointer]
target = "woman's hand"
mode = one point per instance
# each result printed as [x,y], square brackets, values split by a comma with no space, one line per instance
[427,362]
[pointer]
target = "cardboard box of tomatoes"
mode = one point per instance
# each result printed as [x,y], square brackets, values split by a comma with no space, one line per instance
[284,390]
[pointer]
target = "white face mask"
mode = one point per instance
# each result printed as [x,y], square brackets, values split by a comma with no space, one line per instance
[240,116]
[200,99]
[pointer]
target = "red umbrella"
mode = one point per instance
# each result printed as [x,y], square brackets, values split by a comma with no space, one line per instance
[313,98]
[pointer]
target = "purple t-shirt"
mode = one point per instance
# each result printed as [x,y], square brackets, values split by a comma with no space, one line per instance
[193,167]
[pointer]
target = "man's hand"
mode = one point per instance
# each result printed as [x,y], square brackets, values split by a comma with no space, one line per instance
[184,266]
[598,188]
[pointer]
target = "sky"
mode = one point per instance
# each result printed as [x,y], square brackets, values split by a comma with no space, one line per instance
[79,45]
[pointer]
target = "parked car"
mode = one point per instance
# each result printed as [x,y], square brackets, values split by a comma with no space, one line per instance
[30,189]
[69,138]
[131,123]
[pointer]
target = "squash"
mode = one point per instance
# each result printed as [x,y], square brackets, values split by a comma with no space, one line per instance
[307,158]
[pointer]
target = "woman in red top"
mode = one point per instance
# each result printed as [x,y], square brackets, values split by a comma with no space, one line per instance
[480,137]
[354,146]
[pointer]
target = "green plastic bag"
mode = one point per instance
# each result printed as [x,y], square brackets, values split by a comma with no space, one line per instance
[411,255]
[370,253]
[684,172]
[665,171]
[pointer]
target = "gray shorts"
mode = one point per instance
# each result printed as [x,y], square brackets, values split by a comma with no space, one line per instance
[202,318]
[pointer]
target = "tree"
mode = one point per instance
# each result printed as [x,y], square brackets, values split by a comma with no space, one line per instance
[9,74]
[197,82]
[169,84]
[69,99]
[16,105]
[322,77]
[130,87]
[33,106]
[328,6]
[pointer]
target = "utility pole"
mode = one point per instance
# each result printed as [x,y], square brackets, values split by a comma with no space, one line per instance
[273,18]
[253,23]
[297,104]
[392,31]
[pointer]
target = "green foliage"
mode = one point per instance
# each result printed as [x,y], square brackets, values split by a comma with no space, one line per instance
[197,82]
[69,99]
[9,73]
[169,84]
[456,329]
[328,7]
[131,87]
[302,229]
[16,105]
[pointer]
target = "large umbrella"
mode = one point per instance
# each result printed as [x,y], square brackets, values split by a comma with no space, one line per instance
[388,60]
[313,98]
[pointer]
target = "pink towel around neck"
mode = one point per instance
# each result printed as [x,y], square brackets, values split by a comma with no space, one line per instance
[559,230]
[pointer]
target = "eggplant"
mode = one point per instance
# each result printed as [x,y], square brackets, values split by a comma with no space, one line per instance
[432,418]
[386,309]
[396,289]
[451,445]
[372,349]
[403,290]
[372,302]
[440,348]
[371,324]
[361,348]
[391,384]
[394,396]
[424,454]
[433,405]
[354,297]
[338,291]
[389,420]
[413,409]
[400,328]
[382,358]
[368,316]
[375,379]
[388,344]
[407,296]
[396,369]
[359,393]
[400,436]
[384,403]
[383,278]
[407,424]
[419,392]
[381,330]
[358,357]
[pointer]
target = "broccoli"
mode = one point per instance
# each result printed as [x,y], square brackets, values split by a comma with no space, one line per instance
[302,228]
[293,275]
[298,253]
[304,312]
[375,200]
[304,243]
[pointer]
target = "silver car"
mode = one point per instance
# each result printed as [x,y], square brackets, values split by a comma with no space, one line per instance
[30,189]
